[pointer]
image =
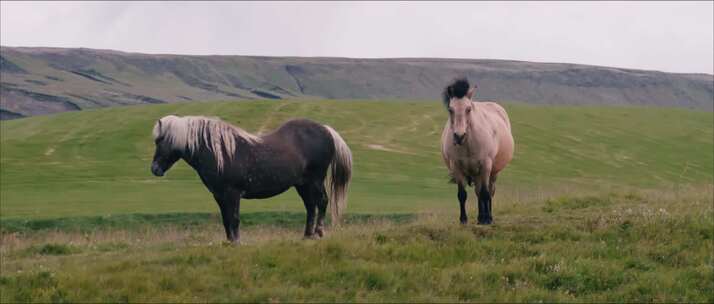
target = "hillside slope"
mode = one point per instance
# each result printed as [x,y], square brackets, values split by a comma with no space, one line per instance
[64,165]
[49,80]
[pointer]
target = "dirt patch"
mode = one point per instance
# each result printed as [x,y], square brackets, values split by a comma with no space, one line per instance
[383,148]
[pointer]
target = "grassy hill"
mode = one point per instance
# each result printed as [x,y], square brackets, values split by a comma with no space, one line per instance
[599,204]
[99,160]
[40,80]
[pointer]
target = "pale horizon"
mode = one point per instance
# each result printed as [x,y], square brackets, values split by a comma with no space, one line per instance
[660,36]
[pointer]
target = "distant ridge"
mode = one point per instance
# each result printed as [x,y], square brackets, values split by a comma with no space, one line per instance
[41,80]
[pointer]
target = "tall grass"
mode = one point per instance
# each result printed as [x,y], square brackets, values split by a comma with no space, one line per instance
[634,246]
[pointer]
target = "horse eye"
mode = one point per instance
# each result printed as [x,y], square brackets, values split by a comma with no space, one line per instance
[468,110]
[451,111]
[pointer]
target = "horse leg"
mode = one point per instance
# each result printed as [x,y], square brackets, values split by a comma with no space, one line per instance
[306,192]
[462,202]
[492,185]
[224,217]
[235,223]
[484,206]
[230,212]
[321,209]
[491,194]
[483,191]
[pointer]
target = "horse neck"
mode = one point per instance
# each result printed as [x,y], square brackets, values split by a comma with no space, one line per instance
[192,159]
[204,158]
[201,158]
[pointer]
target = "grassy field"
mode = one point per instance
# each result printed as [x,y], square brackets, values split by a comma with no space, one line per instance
[599,204]
[97,162]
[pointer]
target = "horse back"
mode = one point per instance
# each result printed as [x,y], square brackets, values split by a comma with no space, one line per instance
[496,111]
[309,139]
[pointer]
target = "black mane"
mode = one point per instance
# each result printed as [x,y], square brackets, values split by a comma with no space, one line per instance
[457,89]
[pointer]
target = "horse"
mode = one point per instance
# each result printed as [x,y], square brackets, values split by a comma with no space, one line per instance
[476,145]
[234,164]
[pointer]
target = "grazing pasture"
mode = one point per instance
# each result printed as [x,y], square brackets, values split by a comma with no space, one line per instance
[599,204]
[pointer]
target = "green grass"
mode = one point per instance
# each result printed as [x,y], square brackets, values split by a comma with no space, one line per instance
[96,163]
[639,246]
[139,221]
[600,204]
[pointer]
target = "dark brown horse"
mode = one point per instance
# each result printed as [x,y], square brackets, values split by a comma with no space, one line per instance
[234,164]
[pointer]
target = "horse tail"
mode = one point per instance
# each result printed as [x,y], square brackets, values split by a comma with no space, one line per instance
[339,177]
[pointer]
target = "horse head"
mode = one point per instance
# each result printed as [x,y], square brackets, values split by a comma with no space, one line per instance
[167,150]
[457,100]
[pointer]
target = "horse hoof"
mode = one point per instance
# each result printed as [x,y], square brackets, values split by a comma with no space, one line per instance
[464,222]
[320,233]
[485,222]
[310,237]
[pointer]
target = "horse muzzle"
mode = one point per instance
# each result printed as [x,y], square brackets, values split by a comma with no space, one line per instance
[459,139]
[156,169]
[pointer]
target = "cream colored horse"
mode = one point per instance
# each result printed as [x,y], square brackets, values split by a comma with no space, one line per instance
[476,145]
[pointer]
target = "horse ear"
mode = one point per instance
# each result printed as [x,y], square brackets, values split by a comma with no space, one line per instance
[470,93]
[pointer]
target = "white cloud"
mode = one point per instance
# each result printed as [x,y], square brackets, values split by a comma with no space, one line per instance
[669,36]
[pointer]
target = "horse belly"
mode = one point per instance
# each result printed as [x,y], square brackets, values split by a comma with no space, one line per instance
[265,192]
[270,184]
[505,154]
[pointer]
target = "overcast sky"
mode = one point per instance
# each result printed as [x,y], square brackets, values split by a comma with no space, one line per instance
[666,36]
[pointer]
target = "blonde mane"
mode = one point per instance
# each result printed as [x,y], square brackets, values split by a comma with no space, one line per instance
[184,133]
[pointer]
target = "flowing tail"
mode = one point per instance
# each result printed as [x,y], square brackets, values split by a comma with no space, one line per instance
[340,175]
